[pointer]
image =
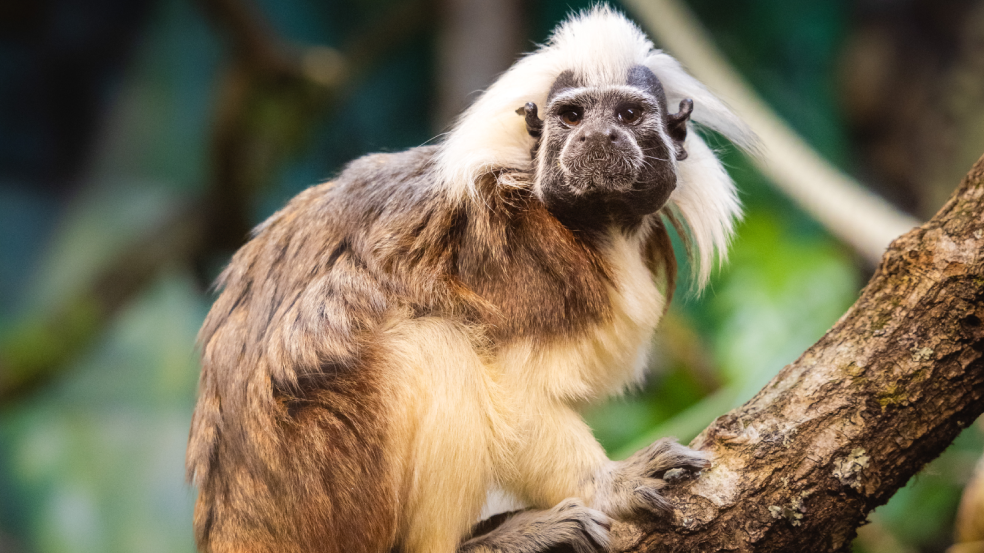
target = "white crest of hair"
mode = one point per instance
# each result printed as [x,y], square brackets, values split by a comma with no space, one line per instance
[599,46]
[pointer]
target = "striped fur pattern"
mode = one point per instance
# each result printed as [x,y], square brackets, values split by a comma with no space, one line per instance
[394,345]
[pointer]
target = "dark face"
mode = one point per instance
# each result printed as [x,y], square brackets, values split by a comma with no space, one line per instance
[605,153]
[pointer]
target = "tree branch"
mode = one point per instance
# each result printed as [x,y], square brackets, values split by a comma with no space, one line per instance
[839,431]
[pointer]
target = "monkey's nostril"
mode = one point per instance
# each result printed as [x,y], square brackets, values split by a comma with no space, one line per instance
[613,136]
[582,138]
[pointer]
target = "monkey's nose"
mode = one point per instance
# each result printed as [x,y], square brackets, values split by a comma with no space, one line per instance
[601,137]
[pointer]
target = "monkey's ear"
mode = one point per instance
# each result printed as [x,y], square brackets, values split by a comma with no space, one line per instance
[676,126]
[534,125]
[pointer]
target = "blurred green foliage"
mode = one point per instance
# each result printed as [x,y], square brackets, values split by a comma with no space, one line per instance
[92,461]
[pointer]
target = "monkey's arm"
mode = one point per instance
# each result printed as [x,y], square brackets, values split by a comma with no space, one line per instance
[557,458]
[560,458]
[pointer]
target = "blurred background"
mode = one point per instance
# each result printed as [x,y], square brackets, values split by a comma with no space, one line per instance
[140,140]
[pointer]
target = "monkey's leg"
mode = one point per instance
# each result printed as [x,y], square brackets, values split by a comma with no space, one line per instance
[446,434]
[569,523]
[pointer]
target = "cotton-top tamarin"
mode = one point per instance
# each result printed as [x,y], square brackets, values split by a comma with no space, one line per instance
[397,345]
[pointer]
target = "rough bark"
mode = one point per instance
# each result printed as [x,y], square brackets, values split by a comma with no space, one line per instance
[837,432]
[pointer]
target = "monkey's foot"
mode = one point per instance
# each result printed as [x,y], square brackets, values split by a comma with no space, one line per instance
[634,485]
[569,523]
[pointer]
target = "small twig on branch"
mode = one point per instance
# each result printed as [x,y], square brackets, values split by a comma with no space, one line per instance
[839,431]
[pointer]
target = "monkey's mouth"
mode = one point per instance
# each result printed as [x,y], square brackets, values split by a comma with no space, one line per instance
[614,172]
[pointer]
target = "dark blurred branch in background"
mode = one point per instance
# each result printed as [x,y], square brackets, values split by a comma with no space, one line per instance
[477,40]
[266,75]
[252,40]
[912,86]
[261,60]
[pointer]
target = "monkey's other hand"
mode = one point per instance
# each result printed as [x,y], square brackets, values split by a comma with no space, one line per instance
[634,485]
[568,526]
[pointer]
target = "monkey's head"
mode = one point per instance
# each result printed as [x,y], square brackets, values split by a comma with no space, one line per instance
[607,154]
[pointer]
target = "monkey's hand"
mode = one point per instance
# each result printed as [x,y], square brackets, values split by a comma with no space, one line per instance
[569,523]
[629,487]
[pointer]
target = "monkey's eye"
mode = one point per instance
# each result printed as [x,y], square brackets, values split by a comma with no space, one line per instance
[629,114]
[571,117]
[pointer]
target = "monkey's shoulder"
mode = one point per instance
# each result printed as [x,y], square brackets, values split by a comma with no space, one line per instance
[405,169]
[334,261]
[367,188]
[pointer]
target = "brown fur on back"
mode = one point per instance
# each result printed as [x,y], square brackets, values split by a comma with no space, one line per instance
[288,438]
